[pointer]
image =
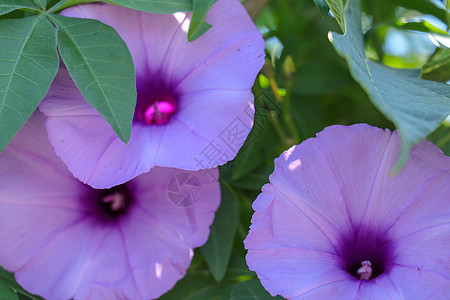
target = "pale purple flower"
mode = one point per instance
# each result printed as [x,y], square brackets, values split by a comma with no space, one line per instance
[194,105]
[335,223]
[64,239]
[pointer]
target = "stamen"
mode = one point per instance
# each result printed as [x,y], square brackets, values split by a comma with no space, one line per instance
[117,200]
[159,112]
[365,272]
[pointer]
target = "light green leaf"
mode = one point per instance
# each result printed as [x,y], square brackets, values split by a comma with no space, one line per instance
[156,6]
[415,106]
[28,64]
[438,66]
[198,25]
[101,66]
[322,6]
[337,8]
[250,290]
[7,6]
[217,250]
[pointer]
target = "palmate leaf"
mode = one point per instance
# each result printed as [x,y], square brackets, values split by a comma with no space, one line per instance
[101,66]
[28,64]
[7,6]
[415,106]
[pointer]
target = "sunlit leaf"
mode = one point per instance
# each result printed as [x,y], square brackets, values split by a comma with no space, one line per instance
[101,66]
[414,105]
[28,64]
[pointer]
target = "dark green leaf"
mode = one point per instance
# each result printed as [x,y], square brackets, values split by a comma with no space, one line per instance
[7,279]
[254,180]
[156,6]
[237,267]
[7,6]
[7,293]
[101,66]
[415,106]
[438,66]
[320,78]
[250,290]
[322,6]
[28,64]
[198,25]
[337,8]
[217,250]
[198,285]
[441,137]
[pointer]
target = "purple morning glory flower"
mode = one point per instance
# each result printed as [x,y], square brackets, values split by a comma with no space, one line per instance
[194,105]
[334,223]
[64,239]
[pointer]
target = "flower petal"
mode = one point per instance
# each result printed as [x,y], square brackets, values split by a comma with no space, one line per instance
[86,142]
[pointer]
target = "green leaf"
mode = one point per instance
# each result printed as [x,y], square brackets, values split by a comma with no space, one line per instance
[198,25]
[28,64]
[156,6]
[250,290]
[7,279]
[438,66]
[101,66]
[41,3]
[7,6]
[198,285]
[322,6]
[415,106]
[424,6]
[7,293]
[441,137]
[217,249]
[337,8]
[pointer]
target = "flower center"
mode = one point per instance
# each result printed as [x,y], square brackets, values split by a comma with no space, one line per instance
[366,255]
[115,201]
[365,272]
[159,112]
[156,102]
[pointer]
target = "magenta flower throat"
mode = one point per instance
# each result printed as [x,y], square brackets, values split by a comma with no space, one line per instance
[194,102]
[334,223]
[63,239]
